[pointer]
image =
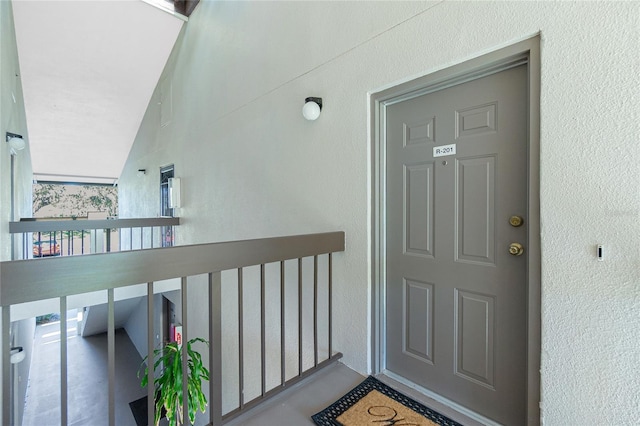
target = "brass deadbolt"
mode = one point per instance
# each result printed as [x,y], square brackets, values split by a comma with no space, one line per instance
[516,221]
[516,249]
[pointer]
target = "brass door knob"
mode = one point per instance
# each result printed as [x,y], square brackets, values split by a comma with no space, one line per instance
[516,221]
[516,249]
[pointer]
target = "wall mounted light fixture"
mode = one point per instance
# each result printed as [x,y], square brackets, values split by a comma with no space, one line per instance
[17,355]
[141,172]
[16,142]
[312,107]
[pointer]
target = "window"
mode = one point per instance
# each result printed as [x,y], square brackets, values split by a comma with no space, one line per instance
[166,173]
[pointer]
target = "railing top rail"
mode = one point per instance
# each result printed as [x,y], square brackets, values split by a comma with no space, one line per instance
[24,281]
[84,225]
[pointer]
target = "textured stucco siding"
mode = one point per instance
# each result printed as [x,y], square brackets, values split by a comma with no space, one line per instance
[12,119]
[252,167]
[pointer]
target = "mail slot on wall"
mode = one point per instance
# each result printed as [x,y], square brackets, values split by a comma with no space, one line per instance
[174,193]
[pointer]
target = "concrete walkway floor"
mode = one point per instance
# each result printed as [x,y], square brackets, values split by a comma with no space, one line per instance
[87,378]
[295,406]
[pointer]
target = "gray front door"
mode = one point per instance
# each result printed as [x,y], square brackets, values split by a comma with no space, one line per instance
[456,287]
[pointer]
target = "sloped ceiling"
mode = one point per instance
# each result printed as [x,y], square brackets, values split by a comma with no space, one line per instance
[88,70]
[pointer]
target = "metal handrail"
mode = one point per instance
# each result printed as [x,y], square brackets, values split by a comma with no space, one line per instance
[73,230]
[23,281]
[47,225]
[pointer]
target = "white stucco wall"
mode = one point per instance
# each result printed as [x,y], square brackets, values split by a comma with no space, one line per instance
[12,119]
[252,167]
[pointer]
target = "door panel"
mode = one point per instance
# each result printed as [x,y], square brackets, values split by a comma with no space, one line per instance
[456,298]
[475,210]
[475,329]
[420,132]
[418,200]
[476,120]
[418,320]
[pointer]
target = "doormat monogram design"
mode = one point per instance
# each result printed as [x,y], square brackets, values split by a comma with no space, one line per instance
[374,403]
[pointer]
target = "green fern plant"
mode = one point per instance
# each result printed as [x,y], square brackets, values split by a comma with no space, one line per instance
[168,384]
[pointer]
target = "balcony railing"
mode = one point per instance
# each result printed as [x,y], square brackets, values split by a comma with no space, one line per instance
[54,237]
[278,288]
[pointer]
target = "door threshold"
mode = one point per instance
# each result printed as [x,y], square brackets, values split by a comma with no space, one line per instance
[443,405]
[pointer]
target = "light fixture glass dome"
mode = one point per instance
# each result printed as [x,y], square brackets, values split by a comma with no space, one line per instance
[311,110]
[17,355]
[17,144]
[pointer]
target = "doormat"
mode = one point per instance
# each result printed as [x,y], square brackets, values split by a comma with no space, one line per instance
[374,403]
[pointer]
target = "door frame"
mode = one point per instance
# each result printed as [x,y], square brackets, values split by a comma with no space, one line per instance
[526,51]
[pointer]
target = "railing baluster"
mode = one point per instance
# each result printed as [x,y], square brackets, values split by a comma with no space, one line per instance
[299,316]
[150,359]
[185,365]
[282,326]
[37,231]
[240,339]
[315,310]
[310,247]
[330,303]
[63,361]
[215,348]
[263,366]
[6,365]
[111,356]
